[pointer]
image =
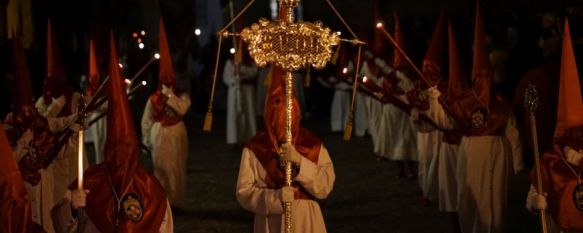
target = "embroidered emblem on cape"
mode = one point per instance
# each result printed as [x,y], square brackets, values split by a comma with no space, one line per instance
[478,119]
[132,207]
[578,197]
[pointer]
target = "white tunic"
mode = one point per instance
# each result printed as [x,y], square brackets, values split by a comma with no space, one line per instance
[42,195]
[169,147]
[252,194]
[428,148]
[65,222]
[99,132]
[374,109]
[64,166]
[241,100]
[340,105]
[397,134]
[484,167]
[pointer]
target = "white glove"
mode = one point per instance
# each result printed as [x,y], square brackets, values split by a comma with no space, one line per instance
[146,142]
[56,106]
[78,198]
[289,153]
[287,194]
[572,156]
[167,90]
[75,127]
[537,202]
[540,202]
[433,92]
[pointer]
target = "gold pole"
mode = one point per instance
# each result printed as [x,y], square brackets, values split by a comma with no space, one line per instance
[208,119]
[348,128]
[289,140]
[531,103]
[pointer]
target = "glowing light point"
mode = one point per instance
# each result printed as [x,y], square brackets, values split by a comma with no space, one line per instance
[127,81]
[345,70]
[364,79]
[379,25]
[141,45]
[157,55]
[197,32]
[339,33]
[135,35]
[120,65]
[139,40]
[143,33]
[232,50]
[144,83]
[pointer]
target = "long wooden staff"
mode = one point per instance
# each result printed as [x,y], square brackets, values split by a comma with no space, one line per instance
[531,104]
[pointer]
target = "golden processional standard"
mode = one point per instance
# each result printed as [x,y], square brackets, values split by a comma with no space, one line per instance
[290,46]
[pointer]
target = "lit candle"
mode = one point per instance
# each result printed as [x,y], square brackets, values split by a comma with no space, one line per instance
[80,161]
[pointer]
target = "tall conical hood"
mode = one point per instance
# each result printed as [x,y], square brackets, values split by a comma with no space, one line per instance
[22,93]
[56,81]
[15,212]
[457,76]
[434,61]
[93,77]
[482,69]
[399,61]
[570,105]
[167,75]
[121,147]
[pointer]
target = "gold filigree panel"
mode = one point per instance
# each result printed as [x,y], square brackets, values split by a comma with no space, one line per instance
[290,46]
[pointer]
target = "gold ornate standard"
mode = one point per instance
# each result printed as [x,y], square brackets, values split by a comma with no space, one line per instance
[290,45]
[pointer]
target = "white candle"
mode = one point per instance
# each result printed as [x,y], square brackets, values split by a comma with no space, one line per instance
[80,162]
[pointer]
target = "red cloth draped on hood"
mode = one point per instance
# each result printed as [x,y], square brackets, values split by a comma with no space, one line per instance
[266,143]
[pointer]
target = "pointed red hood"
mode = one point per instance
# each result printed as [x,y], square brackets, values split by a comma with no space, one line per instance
[570,105]
[399,61]
[434,61]
[22,94]
[93,78]
[15,214]
[482,72]
[457,77]
[56,81]
[121,146]
[167,75]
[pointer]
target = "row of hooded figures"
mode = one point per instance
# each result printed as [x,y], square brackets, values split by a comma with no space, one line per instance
[463,136]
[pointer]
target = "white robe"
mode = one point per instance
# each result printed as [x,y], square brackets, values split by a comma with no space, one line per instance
[169,147]
[42,195]
[65,222]
[64,166]
[341,107]
[374,109]
[428,148]
[448,177]
[99,132]
[484,167]
[252,194]
[241,100]
[397,133]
